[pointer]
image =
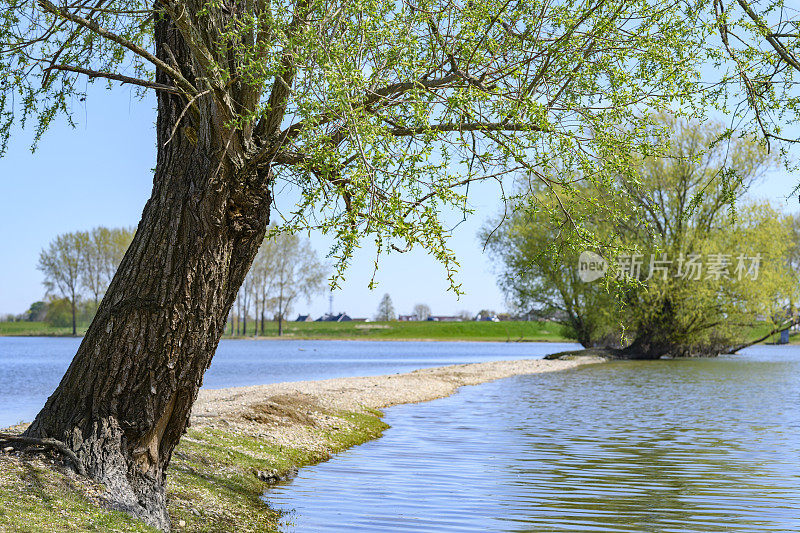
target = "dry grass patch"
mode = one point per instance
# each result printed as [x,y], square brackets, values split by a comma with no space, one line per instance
[284,410]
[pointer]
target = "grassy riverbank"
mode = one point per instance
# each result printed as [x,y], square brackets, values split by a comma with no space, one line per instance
[212,484]
[511,331]
[440,331]
[240,440]
[37,329]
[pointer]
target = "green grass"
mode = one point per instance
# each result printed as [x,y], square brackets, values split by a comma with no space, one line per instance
[37,329]
[444,331]
[759,331]
[211,484]
[511,331]
[36,498]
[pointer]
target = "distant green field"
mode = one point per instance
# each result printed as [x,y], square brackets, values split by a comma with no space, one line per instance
[444,331]
[451,331]
[760,331]
[36,329]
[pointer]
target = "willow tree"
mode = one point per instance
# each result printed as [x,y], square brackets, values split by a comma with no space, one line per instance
[699,269]
[379,113]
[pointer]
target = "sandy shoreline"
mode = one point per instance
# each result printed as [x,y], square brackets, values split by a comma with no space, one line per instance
[241,441]
[291,414]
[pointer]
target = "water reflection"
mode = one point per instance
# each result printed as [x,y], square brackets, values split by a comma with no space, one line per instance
[707,445]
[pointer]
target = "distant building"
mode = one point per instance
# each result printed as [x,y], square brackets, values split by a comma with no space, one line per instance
[444,318]
[304,318]
[340,317]
[407,318]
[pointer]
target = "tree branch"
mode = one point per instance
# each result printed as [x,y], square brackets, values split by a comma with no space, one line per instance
[775,330]
[777,45]
[473,126]
[115,77]
[182,82]
[282,86]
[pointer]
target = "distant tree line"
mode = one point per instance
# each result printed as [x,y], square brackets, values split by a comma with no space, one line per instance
[78,268]
[285,270]
[422,312]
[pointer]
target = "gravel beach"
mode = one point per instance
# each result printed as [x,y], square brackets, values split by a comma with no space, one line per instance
[290,413]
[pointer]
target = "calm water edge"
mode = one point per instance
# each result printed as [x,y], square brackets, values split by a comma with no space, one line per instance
[665,446]
[31,367]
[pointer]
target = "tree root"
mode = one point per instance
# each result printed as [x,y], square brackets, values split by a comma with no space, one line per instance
[51,443]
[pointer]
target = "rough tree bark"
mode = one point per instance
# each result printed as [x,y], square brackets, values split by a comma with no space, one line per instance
[125,400]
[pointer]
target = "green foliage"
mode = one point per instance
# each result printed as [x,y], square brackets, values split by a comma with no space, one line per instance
[59,313]
[36,312]
[379,114]
[671,216]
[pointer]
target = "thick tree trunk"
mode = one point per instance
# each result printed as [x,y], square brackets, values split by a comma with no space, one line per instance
[125,400]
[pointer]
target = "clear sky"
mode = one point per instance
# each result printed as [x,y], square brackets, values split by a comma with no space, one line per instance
[100,174]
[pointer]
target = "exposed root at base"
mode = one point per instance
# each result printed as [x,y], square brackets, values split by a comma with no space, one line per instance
[48,443]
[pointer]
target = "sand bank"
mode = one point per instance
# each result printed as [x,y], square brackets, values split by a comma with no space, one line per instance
[290,414]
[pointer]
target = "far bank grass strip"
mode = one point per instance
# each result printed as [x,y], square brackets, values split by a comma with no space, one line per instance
[507,331]
[510,331]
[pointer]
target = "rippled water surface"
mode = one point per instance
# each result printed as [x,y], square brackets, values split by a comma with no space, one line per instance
[31,367]
[666,446]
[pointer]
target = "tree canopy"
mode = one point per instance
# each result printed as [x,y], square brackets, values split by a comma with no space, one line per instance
[694,271]
[83,262]
[380,113]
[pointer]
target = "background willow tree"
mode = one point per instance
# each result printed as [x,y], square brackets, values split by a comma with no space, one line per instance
[535,261]
[286,269]
[296,273]
[385,312]
[82,262]
[61,265]
[696,289]
[379,113]
[677,217]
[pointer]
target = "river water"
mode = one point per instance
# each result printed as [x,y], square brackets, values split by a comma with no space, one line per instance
[31,367]
[665,446]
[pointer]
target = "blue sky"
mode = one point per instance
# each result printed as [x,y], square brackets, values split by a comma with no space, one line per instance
[100,174]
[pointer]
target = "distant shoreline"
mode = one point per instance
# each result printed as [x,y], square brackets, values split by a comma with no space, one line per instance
[353,339]
[468,331]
